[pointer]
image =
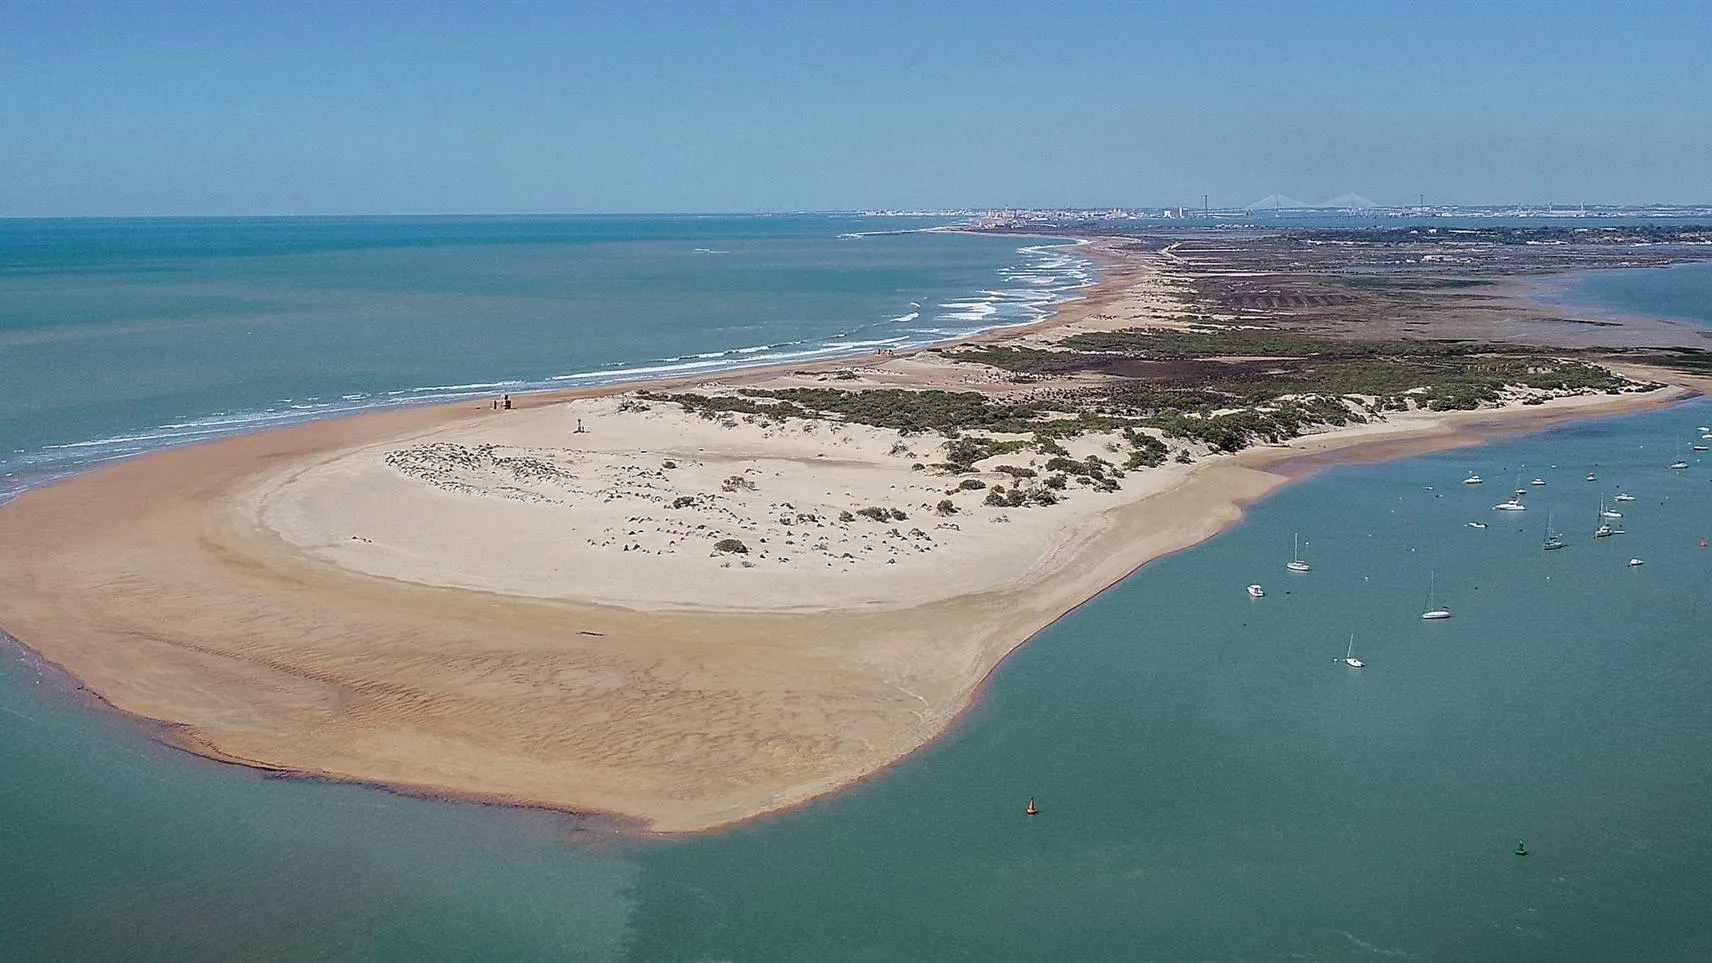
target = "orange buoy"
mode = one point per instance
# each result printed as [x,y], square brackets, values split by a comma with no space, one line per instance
[1032,808]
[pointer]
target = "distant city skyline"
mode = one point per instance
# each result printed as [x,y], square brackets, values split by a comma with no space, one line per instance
[325,108]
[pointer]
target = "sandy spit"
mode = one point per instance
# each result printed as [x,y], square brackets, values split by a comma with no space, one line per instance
[492,605]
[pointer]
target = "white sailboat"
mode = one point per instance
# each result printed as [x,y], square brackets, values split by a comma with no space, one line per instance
[1349,658]
[1680,462]
[1296,564]
[1604,529]
[1433,611]
[1553,540]
[1609,512]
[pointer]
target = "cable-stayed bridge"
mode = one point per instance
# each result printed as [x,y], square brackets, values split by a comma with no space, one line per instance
[1284,202]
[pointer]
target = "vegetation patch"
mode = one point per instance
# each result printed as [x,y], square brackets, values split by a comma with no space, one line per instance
[1193,387]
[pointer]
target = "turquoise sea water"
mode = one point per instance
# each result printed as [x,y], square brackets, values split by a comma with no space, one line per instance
[119,336]
[1214,784]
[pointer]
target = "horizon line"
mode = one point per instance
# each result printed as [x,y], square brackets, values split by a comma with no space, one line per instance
[880,211]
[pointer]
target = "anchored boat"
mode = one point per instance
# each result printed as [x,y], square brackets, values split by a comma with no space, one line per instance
[1349,658]
[1433,611]
[1553,540]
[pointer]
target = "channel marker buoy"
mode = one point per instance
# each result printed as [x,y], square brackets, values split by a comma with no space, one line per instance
[1032,808]
[1521,850]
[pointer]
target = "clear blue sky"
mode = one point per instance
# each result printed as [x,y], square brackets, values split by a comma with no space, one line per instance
[261,108]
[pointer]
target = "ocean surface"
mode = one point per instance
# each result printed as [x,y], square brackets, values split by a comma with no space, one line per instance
[118,336]
[1214,783]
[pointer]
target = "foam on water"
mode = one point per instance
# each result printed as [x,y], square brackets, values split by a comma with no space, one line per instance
[1037,278]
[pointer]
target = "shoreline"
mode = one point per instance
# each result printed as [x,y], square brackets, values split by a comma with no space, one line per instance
[1118,540]
[1553,292]
[594,385]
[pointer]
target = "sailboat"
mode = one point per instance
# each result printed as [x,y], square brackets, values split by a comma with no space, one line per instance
[1296,564]
[1433,611]
[1609,512]
[1680,462]
[1349,658]
[1553,540]
[1604,529]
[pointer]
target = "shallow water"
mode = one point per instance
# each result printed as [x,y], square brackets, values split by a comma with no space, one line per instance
[1682,292]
